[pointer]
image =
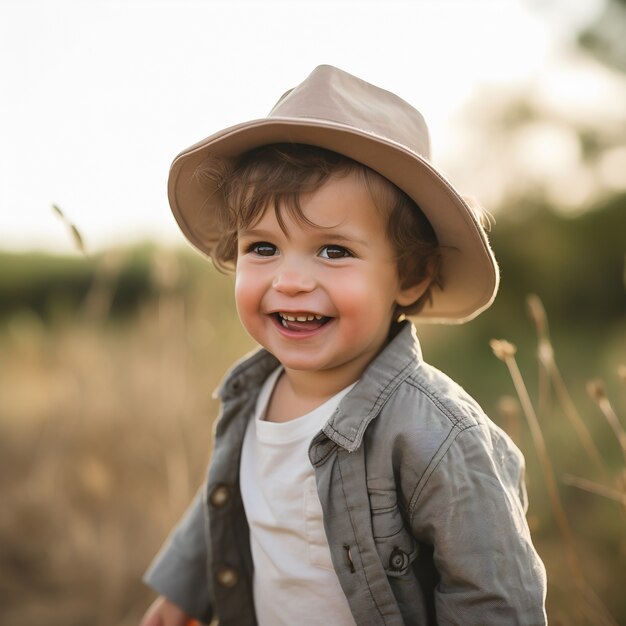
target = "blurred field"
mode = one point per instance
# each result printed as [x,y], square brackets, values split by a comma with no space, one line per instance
[107,366]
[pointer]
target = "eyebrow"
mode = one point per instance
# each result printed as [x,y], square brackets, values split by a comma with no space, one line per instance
[339,238]
[255,233]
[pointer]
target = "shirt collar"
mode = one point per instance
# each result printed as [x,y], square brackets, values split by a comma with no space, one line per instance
[384,374]
[360,406]
[247,375]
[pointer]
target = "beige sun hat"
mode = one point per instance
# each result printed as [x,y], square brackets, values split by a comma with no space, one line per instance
[334,110]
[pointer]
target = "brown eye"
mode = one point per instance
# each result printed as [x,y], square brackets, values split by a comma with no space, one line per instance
[263,249]
[334,252]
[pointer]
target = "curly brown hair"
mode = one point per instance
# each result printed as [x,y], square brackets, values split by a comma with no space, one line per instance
[277,175]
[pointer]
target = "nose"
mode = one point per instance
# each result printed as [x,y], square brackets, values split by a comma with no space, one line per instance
[292,279]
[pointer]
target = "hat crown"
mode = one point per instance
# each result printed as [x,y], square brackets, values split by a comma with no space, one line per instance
[332,95]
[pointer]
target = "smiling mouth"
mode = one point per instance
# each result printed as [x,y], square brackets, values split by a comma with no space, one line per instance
[301,321]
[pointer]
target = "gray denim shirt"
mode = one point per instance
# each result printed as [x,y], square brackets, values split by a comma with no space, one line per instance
[423,499]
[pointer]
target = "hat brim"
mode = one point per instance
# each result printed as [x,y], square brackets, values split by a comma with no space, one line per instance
[469,269]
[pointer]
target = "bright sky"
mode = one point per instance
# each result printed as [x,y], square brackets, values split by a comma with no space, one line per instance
[96,98]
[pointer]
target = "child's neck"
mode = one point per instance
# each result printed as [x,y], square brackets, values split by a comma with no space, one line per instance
[297,393]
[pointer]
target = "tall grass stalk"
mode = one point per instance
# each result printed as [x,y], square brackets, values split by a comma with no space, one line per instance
[77,238]
[505,351]
[97,304]
[545,354]
[596,488]
[597,391]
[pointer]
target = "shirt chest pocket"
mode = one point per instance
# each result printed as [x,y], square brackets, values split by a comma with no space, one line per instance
[396,546]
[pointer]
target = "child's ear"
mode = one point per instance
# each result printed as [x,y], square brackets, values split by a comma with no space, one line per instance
[412,293]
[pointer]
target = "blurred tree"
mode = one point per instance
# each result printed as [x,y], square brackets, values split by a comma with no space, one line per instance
[560,138]
[605,38]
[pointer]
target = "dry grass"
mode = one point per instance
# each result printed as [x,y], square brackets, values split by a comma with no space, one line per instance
[104,437]
[585,607]
[104,434]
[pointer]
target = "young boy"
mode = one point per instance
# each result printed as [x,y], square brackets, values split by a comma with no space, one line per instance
[351,482]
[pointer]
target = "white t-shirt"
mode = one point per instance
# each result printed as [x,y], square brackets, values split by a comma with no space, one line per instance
[294,579]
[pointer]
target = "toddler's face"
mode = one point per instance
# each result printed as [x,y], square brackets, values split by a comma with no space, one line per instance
[321,297]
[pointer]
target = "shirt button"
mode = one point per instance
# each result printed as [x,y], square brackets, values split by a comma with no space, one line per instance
[219,496]
[227,576]
[398,560]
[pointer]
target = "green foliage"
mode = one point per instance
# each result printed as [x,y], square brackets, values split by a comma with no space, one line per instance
[53,286]
[576,264]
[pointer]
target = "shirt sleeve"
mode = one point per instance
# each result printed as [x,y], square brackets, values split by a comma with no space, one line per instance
[179,570]
[471,509]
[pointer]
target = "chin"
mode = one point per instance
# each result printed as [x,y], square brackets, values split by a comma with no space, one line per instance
[299,364]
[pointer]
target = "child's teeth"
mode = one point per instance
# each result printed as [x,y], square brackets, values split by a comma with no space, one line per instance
[301,318]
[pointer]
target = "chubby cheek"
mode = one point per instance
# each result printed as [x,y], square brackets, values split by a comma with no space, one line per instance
[248,296]
[361,301]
